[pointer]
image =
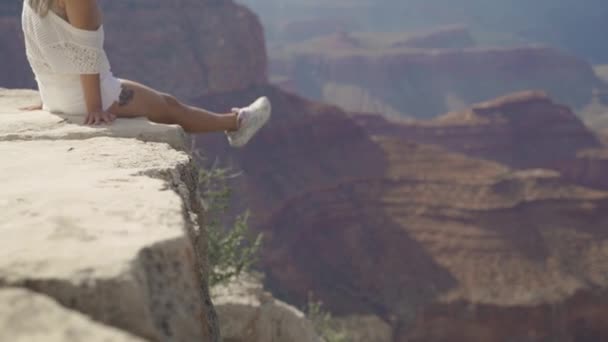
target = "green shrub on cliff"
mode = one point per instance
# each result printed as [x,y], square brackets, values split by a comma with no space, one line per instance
[324,323]
[232,250]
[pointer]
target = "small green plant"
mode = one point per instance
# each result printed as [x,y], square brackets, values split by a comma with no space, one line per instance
[231,250]
[324,323]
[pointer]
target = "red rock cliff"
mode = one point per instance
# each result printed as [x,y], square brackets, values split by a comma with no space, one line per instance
[448,248]
[522,130]
[444,247]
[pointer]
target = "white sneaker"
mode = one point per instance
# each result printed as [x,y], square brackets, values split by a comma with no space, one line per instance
[251,119]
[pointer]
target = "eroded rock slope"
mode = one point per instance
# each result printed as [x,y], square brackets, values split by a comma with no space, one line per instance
[522,130]
[442,246]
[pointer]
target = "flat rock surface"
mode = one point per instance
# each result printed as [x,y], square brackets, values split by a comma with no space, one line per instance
[95,224]
[40,125]
[102,219]
[77,199]
[29,317]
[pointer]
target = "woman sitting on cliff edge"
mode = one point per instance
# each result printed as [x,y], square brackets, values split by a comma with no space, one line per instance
[64,44]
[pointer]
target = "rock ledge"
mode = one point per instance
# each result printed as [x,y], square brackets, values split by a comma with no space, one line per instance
[101,222]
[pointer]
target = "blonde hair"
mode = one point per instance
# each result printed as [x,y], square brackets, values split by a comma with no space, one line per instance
[42,7]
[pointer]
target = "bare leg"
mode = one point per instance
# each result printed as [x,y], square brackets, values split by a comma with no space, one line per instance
[138,100]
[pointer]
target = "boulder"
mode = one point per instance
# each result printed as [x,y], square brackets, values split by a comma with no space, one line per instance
[247,313]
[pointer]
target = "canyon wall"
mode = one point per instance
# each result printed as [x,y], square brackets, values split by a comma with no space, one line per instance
[522,130]
[447,248]
[465,240]
[394,75]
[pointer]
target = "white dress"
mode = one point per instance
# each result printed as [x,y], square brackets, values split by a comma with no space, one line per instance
[58,54]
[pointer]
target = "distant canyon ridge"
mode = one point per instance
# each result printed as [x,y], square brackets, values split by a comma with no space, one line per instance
[570,25]
[419,59]
[422,75]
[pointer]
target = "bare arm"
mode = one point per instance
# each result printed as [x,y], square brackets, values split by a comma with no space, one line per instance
[86,15]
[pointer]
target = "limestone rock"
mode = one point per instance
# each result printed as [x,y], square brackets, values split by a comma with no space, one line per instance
[41,125]
[249,314]
[103,223]
[30,317]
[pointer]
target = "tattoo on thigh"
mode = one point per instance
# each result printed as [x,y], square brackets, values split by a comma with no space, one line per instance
[126,95]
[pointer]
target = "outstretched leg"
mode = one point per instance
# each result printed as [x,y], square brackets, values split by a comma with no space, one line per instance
[138,100]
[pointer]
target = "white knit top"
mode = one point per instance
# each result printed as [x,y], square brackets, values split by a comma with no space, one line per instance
[58,54]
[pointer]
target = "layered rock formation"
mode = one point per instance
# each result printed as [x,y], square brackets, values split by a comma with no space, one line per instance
[388,77]
[523,130]
[105,221]
[442,235]
[430,240]
[589,168]
[184,46]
